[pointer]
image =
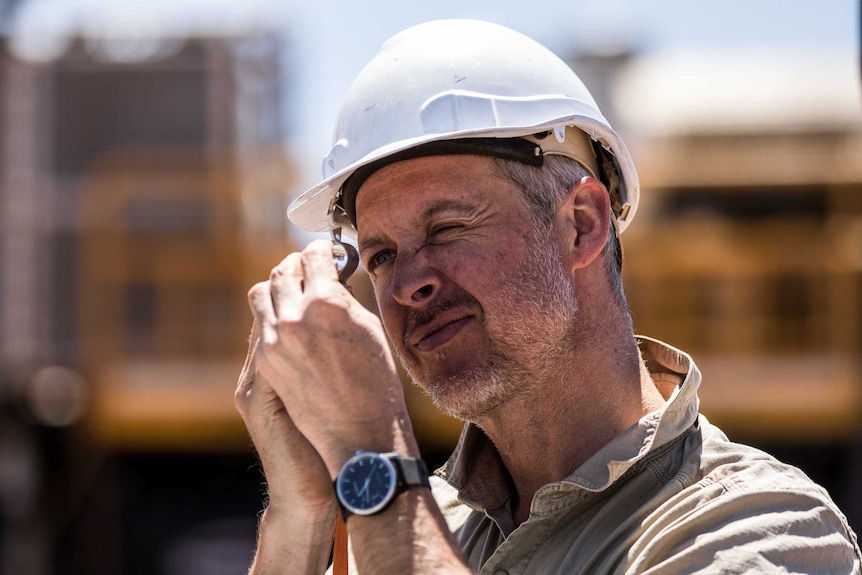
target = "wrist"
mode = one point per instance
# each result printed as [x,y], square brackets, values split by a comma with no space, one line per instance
[370,482]
[380,436]
[317,516]
[294,542]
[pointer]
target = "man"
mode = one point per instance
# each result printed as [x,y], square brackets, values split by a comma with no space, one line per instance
[487,192]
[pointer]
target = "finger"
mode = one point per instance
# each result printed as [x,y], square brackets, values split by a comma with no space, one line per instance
[246,376]
[245,383]
[286,283]
[317,266]
[253,391]
[260,302]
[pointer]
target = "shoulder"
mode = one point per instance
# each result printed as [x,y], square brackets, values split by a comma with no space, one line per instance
[744,509]
[736,469]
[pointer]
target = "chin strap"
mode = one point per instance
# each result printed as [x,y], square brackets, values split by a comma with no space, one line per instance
[339,551]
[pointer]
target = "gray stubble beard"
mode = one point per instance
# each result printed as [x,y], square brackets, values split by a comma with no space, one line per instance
[541,295]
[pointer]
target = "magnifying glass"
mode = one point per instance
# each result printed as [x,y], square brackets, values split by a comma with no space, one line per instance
[344,256]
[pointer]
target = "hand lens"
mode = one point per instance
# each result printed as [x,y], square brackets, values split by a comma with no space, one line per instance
[344,256]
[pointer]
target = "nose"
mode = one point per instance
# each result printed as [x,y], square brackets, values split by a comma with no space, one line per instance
[415,283]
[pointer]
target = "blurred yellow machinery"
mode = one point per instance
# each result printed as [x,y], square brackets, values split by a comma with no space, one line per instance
[759,278]
[141,199]
[168,253]
[748,254]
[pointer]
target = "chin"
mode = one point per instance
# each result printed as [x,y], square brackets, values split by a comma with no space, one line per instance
[469,396]
[465,387]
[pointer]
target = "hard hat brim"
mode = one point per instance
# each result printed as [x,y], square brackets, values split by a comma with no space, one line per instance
[313,209]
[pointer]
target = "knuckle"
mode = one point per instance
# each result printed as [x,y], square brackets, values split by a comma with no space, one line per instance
[257,291]
[241,399]
[276,272]
[286,325]
[318,246]
[284,266]
[270,344]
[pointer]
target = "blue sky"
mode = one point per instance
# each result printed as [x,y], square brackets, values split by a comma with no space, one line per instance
[335,38]
[329,41]
[655,22]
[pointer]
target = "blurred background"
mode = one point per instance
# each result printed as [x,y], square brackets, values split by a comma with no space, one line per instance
[148,151]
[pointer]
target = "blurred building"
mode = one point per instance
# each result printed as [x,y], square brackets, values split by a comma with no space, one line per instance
[143,185]
[142,191]
[747,250]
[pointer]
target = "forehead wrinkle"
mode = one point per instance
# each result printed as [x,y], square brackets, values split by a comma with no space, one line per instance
[404,182]
[433,209]
[444,205]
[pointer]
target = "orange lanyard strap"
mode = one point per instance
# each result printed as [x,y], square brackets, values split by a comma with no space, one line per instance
[339,551]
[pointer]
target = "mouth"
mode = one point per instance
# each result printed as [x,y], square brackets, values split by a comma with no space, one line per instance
[438,332]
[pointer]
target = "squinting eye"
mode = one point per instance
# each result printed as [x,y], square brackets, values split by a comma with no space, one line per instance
[380,258]
[446,228]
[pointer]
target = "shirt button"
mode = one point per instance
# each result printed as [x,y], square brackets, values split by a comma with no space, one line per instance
[501,572]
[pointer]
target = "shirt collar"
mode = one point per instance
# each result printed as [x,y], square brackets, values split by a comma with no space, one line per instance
[476,471]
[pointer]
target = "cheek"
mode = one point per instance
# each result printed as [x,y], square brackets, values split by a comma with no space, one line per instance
[490,276]
[388,310]
[474,270]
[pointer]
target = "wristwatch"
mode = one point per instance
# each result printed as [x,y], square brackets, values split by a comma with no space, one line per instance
[369,482]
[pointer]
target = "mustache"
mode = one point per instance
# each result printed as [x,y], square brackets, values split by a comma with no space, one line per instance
[417,318]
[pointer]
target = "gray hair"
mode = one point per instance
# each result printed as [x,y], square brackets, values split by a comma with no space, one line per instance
[544,187]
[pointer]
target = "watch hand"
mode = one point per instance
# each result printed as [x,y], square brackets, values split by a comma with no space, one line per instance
[364,489]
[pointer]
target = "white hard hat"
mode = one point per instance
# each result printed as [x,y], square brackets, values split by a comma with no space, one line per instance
[464,86]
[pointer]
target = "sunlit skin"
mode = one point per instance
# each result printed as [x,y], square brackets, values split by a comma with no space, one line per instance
[437,243]
[513,327]
[453,257]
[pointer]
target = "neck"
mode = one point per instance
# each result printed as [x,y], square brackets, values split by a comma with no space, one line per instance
[546,434]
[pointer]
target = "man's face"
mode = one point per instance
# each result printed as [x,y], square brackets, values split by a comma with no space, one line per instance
[476,302]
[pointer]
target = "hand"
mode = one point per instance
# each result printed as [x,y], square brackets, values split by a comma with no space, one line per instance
[296,475]
[327,358]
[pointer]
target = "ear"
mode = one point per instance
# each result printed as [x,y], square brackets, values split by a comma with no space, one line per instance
[582,221]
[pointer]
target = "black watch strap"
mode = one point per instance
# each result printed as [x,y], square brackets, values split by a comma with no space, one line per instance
[410,471]
[413,472]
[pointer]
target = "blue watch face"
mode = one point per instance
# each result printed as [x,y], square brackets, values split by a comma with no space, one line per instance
[366,483]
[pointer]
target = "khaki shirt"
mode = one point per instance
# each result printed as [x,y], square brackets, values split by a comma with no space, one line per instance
[670,495]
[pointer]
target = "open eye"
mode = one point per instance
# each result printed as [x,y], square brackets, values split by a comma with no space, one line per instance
[380,258]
